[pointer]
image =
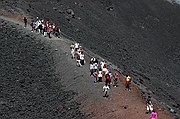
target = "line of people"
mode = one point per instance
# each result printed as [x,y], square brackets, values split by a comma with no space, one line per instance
[77,53]
[44,27]
[100,72]
[98,69]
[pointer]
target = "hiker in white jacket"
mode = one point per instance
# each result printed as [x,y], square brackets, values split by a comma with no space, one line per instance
[72,53]
[106,90]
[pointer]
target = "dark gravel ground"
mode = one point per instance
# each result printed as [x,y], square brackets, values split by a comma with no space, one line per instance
[141,37]
[29,84]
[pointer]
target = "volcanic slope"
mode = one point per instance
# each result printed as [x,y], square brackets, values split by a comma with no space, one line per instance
[28,80]
[141,37]
[120,104]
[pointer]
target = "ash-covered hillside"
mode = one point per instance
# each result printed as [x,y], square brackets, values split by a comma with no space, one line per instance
[141,37]
[28,81]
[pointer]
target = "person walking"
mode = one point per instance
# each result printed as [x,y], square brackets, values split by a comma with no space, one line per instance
[25,22]
[76,46]
[78,60]
[128,83]
[110,74]
[82,58]
[153,115]
[116,77]
[100,76]
[149,105]
[95,66]
[32,25]
[102,63]
[49,31]
[72,53]
[108,79]
[48,28]
[91,67]
[95,74]
[106,90]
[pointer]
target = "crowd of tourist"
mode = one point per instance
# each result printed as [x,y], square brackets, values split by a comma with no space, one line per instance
[44,27]
[98,69]
[101,73]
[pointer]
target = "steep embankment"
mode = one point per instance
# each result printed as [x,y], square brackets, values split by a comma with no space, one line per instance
[141,37]
[29,83]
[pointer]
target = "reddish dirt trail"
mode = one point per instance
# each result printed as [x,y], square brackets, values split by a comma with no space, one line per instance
[121,104]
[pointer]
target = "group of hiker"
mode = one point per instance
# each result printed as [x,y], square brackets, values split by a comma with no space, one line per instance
[44,27]
[101,73]
[77,53]
[98,69]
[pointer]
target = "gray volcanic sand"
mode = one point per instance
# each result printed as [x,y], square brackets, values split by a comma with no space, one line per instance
[29,84]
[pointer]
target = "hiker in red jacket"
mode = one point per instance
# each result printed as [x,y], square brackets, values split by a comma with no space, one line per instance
[56,30]
[108,79]
[48,28]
